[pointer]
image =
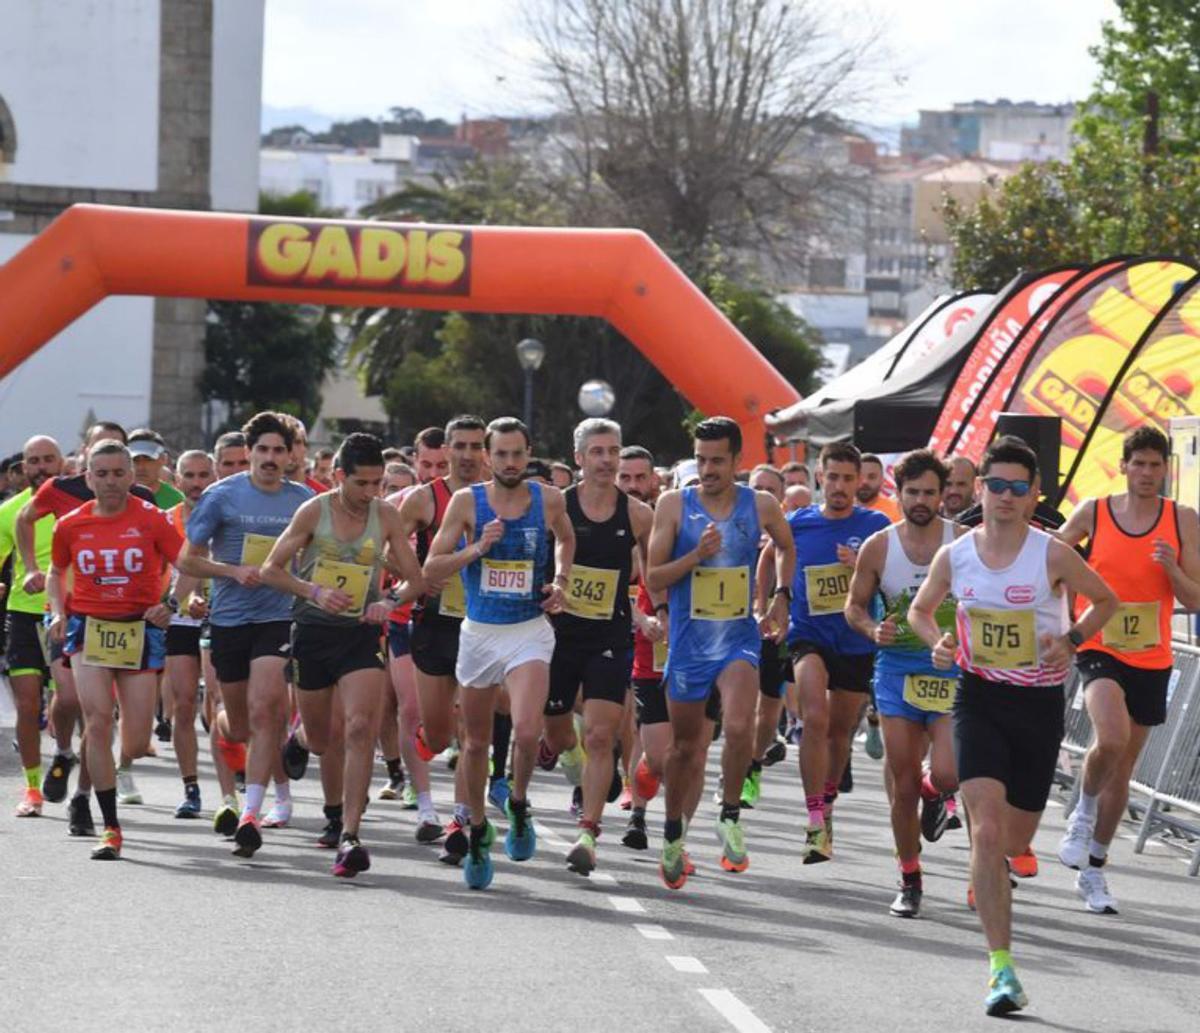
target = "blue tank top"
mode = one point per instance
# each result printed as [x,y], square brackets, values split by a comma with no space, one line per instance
[822,583]
[712,613]
[505,586]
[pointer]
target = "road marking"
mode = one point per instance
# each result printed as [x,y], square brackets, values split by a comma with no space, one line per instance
[653,932]
[738,1015]
[603,877]
[548,836]
[627,904]
[685,963]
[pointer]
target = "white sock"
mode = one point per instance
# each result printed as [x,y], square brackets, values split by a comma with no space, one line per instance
[424,802]
[283,792]
[1098,850]
[1086,808]
[463,813]
[254,799]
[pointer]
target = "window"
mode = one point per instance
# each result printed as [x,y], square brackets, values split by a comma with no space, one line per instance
[369,189]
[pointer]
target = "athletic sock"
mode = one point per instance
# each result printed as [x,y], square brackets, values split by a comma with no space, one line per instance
[673,829]
[1097,854]
[639,813]
[910,871]
[333,811]
[424,802]
[1086,807]
[107,798]
[501,737]
[831,794]
[816,809]
[394,768]
[478,832]
[190,780]
[730,812]
[33,777]
[928,790]
[254,800]
[1000,959]
[283,792]
[755,765]
[462,813]
[586,825]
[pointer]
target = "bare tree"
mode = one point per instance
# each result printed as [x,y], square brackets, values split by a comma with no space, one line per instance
[707,123]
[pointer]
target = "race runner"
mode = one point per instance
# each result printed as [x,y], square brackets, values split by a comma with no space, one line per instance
[1014,644]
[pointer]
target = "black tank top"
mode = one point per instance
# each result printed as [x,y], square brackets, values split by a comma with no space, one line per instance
[427,606]
[598,593]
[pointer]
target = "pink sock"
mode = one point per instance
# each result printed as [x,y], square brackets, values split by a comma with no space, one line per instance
[910,867]
[928,792]
[816,809]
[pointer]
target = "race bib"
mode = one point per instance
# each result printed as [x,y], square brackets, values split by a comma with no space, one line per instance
[932,692]
[453,600]
[506,579]
[351,578]
[592,593]
[255,549]
[117,644]
[826,588]
[1003,639]
[660,656]
[720,593]
[1133,627]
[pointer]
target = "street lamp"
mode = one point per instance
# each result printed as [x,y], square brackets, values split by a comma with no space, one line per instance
[530,353]
[596,398]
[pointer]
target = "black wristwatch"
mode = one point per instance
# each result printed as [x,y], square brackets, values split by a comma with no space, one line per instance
[660,607]
[172,604]
[1075,638]
[784,590]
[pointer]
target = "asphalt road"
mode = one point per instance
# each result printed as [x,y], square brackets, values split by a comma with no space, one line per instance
[182,936]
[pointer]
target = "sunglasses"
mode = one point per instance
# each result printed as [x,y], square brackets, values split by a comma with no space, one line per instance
[999,485]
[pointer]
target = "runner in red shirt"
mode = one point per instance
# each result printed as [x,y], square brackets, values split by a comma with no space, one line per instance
[115,548]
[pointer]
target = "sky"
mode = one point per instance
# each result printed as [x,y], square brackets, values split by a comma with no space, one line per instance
[450,57]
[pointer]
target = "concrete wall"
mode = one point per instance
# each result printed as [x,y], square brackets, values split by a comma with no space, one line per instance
[237,58]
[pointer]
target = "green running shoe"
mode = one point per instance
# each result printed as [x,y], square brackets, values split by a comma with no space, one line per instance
[733,845]
[225,821]
[752,789]
[1005,993]
[672,866]
[582,857]
[817,847]
[408,797]
[477,865]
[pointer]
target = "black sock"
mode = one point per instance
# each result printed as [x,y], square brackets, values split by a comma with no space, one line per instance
[911,878]
[394,768]
[501,737]
[349,837]
[518,806]
[333,811]
[190,780]
[673,829]
[1097,862]
[730,812]
[107,798]
[478,832]
[638,814]
[755,765]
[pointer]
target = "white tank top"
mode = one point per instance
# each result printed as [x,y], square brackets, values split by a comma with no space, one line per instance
[900,574]
[1003,613]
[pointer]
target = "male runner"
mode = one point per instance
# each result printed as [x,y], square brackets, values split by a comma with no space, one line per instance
[703,550]
[870,488]
[1145,548]
[960,488]
[322,470]
[344,539]
[592,635]
[506,638]
[795,475]
[239,518]
[231,454]
[912,696]
[1014,645]
[833,662]
[149,453]
[115,547]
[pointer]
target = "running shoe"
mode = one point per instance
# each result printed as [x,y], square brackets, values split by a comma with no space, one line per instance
[874,743]
[127,790]
[829,828]
[645,782]
[452,755]
[933,817]
[423,750]
[454,849]
[225,821]
[279,815]
[776,752]
[635,833]
[331,834]
[1075,847]
[429,829]
[393,786]
[547,759]
[752,789]
[953,821]
[352,858]
[162,730]
[688,867]
[109,848]
[1024,865]
[572,761]
[477,861]
[733,845]
[908,901]
[1005,994]
[31,804]
[625,800]
[581,859]
[1092,888]
[672,865]
[576,807]
[616,783]
[520,843]
[295,758]
[54,785]
[794,733]
[817,847]
[498,794]
[846,785]
[408,797]
[189,807]
[79,816]
[247,836]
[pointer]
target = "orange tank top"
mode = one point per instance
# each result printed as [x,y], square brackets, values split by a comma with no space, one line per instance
[1140,633]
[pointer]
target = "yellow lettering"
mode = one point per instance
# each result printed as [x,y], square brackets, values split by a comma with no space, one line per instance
[417,255]
[446,260]
[283,249]
[380,255]
[332,253]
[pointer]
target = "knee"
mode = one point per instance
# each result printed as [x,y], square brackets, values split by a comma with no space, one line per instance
[986,835]
[599,740]
[359,728]
[526,732]
[1110,745]
[906,787]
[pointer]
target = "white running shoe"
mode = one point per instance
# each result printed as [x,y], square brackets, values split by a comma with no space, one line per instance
[279,815]
[127,791]
[1074,851]
[1092,888]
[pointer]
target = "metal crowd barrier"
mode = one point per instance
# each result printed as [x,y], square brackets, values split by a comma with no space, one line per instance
[1168,770]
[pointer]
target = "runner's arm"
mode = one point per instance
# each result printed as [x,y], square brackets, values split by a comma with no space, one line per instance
[662,571]
[195,560]
[864,583]
[445,558]
[23,531]
[564,536]
[416,510]
[277,570]
[770,516]
[922,614]
[1080,524]
[641,517]
[1185,571]
[1068,568]
[400,559]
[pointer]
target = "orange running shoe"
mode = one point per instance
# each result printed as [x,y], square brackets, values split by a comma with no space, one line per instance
[31,803]
[423,750]
[109,848]
[232,753]
[645,782]
[1025,865]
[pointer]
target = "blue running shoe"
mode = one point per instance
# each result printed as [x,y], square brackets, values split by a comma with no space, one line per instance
[521,841]
[190,807]
[498,793]
[1005,994]
[477,865]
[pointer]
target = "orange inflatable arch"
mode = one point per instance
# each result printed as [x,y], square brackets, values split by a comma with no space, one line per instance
[92,251]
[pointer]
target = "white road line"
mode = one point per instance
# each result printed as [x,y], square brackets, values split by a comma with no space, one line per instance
[685,963]
[603,877]
[653,932]
[627,904]
[735,1012]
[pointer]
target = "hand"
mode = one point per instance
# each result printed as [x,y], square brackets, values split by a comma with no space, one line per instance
[710,542]
[248,577]
[847,555]
[943,653]
[197,607]
[554,600]
[376,613]
[885,631]
[1164,554]
[433,587]
[1056,651]
[492,532]
[159,615]
[331,600]
[653,630]
[774,624]
[35,582]
[58,629]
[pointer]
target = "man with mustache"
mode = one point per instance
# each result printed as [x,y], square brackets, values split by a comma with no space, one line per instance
[913,698]
[959,495]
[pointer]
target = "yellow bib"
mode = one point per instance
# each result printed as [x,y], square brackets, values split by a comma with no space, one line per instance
[592,593]
[1133,627]
[931,692]
[720,593]
[255,549]
[351,578]
[508,579]
[453,600]
[826,588]
[660,655]
[1003,639]
[116,644]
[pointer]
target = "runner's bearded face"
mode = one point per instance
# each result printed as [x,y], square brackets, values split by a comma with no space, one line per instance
[509,456]
[870,483]
[716,463]
[42,460]
[194,476]
[297,460]
[432,463]
[599,459]
[841,480]
[635,477]
[920,499]
[110,477]
[233,459]
[467,455]
[1145,473]
[268,460]
[358,488]
[1006,506]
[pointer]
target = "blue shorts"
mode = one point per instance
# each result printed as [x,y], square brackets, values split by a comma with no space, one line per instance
[692,682]
[398,639]
[154,644]
[889,695]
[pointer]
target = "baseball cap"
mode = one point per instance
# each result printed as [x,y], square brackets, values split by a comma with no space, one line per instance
[149,449]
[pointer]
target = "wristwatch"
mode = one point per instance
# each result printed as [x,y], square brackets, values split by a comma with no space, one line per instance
[1074,637]
[783,590]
